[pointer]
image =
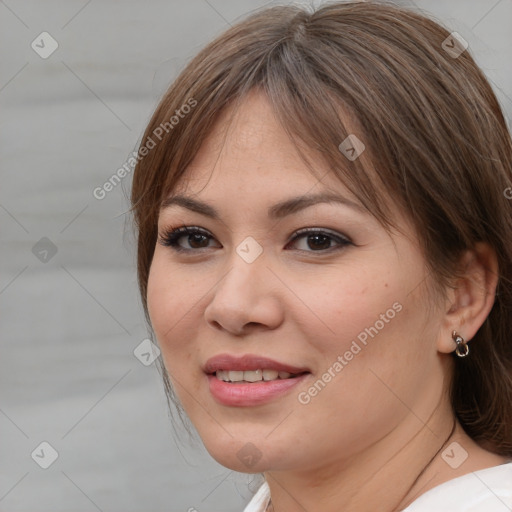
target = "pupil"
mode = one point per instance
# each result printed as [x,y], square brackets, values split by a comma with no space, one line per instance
[196,237]
[325,239]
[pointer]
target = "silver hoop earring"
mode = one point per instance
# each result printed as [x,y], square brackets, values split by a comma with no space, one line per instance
[462,349]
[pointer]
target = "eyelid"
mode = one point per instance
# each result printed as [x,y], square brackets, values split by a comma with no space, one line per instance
[177,232]
[326,231]
[170,236]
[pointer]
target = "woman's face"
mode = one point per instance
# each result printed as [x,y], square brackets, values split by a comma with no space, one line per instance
[345,303]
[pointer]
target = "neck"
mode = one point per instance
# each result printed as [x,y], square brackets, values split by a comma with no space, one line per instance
[387,477]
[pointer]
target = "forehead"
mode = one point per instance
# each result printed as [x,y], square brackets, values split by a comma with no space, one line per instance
[248,164]
[249,150]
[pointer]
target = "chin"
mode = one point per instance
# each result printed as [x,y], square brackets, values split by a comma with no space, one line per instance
[242,457]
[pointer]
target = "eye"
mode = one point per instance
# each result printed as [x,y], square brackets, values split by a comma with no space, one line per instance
[320,240]
[197,238]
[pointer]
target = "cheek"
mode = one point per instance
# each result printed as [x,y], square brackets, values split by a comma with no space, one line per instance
[340,304]
[363,327]
[367,331]
[171,298]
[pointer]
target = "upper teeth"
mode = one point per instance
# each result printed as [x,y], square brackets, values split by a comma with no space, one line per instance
[250,376]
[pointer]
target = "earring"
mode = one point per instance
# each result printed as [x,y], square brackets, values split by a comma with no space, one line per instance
[462,349]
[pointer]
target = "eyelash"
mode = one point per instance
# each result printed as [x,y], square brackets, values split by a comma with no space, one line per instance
[170,238]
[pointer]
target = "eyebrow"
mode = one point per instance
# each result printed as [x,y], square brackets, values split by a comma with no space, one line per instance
[277,211]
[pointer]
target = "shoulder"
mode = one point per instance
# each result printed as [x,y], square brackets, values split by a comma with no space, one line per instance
[486,490]
[260,500]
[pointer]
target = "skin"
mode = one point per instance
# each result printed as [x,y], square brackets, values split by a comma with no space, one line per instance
[379,421]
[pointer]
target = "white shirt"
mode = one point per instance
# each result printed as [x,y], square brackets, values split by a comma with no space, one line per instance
[486,490]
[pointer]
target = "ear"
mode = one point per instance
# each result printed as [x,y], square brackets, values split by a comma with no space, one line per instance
[472,298]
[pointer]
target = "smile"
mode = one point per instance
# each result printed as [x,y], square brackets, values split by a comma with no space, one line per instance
[253,375]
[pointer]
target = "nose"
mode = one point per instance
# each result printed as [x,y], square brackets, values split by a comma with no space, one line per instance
[248,297]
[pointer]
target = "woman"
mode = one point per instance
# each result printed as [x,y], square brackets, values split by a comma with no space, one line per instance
[324,257]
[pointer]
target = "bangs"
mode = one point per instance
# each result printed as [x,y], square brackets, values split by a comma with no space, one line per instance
[317,119]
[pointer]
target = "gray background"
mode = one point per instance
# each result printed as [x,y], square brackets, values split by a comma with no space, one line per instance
[69,325]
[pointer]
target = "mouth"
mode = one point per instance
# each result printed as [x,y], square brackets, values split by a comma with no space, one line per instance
[250,380]
[250,368]
[245,376]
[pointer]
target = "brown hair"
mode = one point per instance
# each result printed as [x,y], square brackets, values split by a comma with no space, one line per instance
[429,120]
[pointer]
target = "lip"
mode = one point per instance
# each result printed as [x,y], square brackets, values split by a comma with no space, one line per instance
[248,362]
[247,394]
